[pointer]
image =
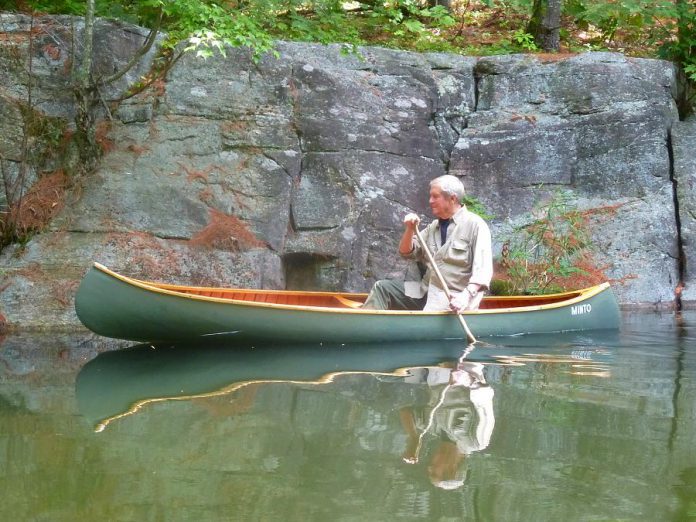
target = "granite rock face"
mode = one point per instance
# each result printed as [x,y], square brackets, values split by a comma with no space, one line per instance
[296,171]
[562,125]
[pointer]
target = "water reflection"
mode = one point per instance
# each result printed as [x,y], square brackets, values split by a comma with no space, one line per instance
[586,428]
[410,421]
[587,362]
[457,411]
[442,399]
[120,383]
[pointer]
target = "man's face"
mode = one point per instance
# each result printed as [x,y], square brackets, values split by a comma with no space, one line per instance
[442,205]
[444,464]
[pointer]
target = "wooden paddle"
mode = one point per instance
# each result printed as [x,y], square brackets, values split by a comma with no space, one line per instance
[431,260]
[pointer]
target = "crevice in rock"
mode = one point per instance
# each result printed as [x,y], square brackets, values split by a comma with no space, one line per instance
[681,259]
[315,229]
[445,147]
[370,151]
[293,97]
[477,80]
[538,185]
[269,157]
[292,226]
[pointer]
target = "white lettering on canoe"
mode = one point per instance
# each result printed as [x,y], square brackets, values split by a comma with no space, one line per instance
[581,309]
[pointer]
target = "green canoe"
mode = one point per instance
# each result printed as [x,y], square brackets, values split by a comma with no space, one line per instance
[116,306]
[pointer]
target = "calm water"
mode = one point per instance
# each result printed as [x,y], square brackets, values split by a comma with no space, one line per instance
[564,427]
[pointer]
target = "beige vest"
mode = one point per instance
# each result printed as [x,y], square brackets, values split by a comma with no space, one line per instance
[464,258]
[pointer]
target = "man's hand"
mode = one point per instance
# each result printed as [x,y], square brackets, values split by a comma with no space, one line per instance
[460,302]
[411,221]
[406,244]
[465,300]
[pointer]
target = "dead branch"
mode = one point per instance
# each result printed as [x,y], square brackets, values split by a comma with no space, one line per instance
[149,42]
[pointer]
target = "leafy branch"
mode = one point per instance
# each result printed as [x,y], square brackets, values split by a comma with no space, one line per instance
[541,254]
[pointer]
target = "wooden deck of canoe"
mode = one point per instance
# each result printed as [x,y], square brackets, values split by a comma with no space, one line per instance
[344,300]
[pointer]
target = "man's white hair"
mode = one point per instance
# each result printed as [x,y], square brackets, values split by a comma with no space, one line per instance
[449,485]
[449,185]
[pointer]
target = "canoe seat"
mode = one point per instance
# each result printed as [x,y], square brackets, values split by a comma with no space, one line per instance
[348,302]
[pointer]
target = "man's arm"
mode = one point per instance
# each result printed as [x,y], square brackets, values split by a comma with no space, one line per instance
[406,245]
[481,271]
[408,422]
[482,267]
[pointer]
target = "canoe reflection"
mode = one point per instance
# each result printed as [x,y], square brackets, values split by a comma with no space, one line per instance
[120,383]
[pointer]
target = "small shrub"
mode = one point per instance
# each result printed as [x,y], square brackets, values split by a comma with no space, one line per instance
[547,253]
[474,205]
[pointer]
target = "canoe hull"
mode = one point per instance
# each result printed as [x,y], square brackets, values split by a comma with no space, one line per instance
[112,306]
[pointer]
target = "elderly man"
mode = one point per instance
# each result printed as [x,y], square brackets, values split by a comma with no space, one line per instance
[460,242]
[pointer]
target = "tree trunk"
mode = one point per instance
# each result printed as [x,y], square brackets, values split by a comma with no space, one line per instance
[545,24]
[85,70]
[86,98]
[685,54]
[443,3]
[87,149]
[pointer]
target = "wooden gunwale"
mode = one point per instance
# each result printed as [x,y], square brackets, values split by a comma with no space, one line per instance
[558,300]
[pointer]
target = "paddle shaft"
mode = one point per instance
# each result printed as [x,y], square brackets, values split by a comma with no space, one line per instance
[442,281]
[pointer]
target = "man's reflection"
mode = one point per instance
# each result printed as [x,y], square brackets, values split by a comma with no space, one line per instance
[459,413]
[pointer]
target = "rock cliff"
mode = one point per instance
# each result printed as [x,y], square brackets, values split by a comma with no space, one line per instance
[295,171]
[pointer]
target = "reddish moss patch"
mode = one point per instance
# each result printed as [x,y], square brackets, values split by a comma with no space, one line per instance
[147,256]
[591,274]
[195,174]
[529,118]
[38,206]
[235,126]
[137,149]
[102,136]
[602,213]
[64,292]
[226,232]
[551,58]
[32,272]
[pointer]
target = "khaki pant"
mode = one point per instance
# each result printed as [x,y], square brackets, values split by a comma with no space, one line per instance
[388,294]
[438,301]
